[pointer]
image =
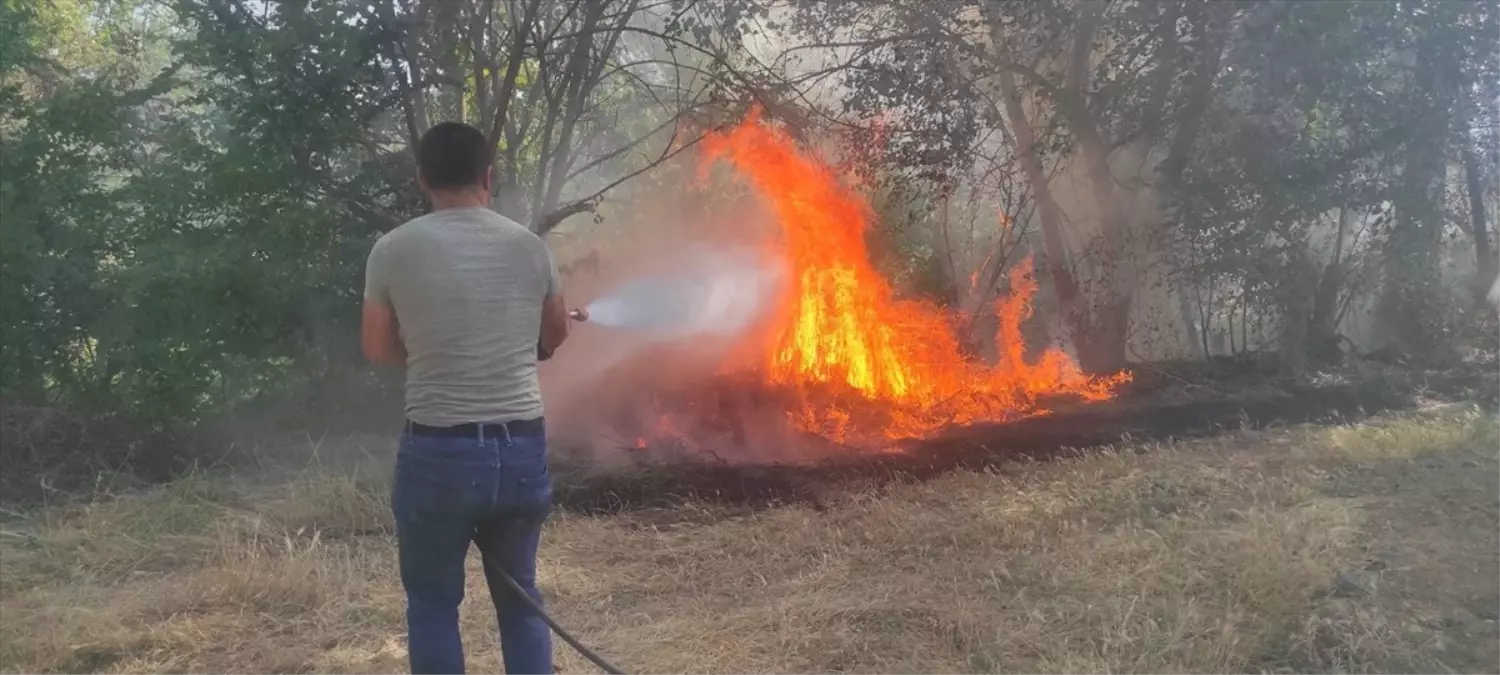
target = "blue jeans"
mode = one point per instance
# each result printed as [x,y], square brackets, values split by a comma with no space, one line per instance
[495,493]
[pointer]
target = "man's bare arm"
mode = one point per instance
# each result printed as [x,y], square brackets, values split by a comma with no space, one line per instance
[380,335]
[554,324]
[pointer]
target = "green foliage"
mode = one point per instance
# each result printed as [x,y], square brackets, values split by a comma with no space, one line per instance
[169,255]
[56,196]
[188,190]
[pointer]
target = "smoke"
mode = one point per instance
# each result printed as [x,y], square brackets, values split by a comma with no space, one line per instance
[681,289]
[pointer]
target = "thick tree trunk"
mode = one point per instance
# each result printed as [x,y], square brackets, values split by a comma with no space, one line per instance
[1103,348]
[1297,309]
[1191,330]
[1200,87]
[1485,264]
[1064,285]
[1199,95]
[1098,320]
[1411,296]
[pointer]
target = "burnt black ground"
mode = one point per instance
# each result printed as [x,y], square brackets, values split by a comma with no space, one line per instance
[1138,418]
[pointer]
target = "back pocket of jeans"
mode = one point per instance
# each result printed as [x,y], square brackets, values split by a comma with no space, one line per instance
[527,471]
[525,459]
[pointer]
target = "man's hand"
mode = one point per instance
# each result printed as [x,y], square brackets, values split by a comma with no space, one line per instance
[542,353]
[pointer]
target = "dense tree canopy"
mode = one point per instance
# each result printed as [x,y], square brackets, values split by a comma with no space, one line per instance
[188,189]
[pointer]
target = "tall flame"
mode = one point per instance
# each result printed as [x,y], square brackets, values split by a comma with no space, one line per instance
[844,340]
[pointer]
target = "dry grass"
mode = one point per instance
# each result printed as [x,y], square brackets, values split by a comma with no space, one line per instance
[1360,548]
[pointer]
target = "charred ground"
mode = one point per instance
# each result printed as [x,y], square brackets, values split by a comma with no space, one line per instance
[1166,402]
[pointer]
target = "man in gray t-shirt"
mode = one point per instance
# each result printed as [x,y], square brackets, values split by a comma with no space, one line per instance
[466,300]
[469,287]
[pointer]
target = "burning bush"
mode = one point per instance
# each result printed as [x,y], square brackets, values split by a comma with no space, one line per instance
[837,350]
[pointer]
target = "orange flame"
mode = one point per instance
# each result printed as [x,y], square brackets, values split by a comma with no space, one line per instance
[844,340]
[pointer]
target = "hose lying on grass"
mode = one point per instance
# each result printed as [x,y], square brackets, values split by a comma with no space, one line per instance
[567,637]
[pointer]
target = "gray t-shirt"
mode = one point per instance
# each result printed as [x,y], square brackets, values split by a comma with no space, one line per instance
[467,287]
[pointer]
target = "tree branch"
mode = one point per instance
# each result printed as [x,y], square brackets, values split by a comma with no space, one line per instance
[546,223]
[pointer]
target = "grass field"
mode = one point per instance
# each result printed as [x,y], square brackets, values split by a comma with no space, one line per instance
[1370,547]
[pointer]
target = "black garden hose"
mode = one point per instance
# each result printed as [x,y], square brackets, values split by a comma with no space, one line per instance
[567,637]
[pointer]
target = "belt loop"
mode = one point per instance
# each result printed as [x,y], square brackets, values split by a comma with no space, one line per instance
[480,428]
[506,428]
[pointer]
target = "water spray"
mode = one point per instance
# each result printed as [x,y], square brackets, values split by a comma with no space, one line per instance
[715,293]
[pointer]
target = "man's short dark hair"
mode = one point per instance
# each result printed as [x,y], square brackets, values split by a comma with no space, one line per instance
[453,155]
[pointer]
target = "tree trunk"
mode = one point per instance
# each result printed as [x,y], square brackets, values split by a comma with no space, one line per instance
[1485,264]
[584,73]
[1199,95]
[1193,332]
[520,36]
[1103,347]
[1064,285]
[1412,293]
[1098,324]
[1322,340]
[447,34]
[1296,312]
[483,62]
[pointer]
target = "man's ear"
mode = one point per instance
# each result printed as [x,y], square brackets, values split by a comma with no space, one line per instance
[422,182]
[489,173]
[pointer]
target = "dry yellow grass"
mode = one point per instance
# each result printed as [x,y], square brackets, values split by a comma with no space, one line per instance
[1360,548]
